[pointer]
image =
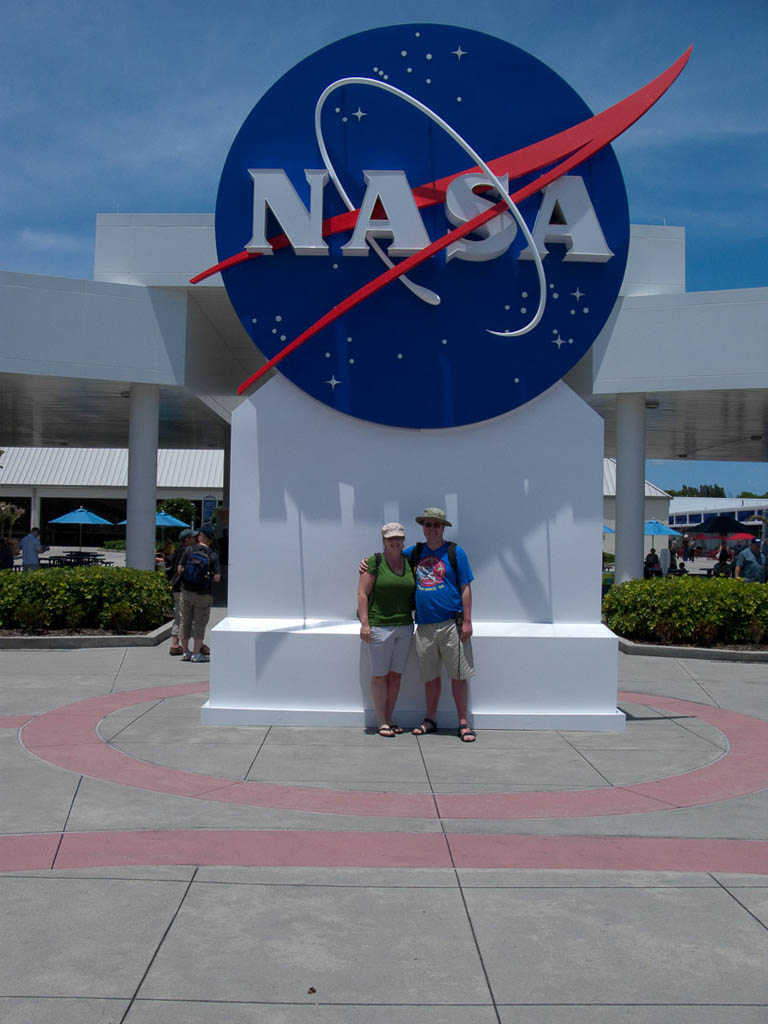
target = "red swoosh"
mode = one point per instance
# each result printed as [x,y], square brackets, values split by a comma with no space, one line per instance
[571,147]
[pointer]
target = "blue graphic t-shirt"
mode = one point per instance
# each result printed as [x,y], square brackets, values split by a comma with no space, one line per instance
[438,592]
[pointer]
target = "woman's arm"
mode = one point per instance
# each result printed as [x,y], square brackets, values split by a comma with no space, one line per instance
[364,588]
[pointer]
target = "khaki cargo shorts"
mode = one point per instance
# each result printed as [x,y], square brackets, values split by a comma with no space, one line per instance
[438,643]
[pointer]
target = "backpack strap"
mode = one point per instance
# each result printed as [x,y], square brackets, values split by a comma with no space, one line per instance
[453,562]
[416,556]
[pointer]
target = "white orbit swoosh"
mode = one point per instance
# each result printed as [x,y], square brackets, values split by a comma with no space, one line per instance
[426,294]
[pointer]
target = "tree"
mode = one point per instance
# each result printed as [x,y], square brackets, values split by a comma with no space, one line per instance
[8,515]
[182,508]
[702,491]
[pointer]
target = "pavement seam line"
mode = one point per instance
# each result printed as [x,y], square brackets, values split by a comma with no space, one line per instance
[253,762]
[66,822]
[127,724]
[159,946]
[738,901]
[472,931]
[429,783]
[584,757]
[700,685]
[119,669]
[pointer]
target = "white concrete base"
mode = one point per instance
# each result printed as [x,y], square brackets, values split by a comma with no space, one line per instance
[529,676]
[310,490]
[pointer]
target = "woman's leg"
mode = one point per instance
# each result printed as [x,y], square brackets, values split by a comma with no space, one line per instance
[379,694]
[392,690]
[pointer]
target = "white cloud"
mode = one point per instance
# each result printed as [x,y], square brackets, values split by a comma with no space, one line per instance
[45,241]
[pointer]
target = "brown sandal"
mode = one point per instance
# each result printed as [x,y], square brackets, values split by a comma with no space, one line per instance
[427,726]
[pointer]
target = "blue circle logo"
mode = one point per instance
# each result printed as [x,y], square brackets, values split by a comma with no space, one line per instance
[418,215]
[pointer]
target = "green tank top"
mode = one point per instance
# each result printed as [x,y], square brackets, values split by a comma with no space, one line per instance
[389,603]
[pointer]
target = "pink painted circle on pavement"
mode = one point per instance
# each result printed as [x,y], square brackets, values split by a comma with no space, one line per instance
[67,737]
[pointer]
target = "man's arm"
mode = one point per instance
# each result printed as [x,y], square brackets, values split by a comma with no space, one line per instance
[466,606]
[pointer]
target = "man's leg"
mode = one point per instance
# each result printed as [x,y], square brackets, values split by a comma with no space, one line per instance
[429,667]
[185,626]
[432,690]
[460,689]
[203,604]
[176,628]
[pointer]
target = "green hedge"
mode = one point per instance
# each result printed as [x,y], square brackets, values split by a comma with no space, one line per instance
[93,597]
[680,610]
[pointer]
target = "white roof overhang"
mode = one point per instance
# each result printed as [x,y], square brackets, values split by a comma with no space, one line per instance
[69,350]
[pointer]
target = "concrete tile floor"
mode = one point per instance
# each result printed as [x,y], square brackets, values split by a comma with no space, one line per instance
[286,923]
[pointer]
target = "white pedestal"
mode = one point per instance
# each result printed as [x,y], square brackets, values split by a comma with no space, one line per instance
[310,490]
[534,676]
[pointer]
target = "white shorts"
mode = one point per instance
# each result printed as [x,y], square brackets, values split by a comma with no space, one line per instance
[389,649]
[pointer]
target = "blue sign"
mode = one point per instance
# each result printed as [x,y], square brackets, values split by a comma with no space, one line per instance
[368,152]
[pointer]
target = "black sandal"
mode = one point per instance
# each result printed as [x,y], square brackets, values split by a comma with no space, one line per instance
[466,733]
[386,731]
[422,730]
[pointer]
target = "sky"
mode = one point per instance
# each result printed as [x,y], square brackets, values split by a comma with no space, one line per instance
[130,106]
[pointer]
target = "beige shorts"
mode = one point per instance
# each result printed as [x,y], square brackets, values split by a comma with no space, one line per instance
[438,643]
[195,612]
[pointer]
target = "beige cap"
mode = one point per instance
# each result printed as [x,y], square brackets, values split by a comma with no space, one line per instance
[392,530]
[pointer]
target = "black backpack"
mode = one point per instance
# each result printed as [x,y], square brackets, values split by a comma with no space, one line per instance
[197,570]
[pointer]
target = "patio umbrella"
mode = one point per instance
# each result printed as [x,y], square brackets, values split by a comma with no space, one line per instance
[655,528]
[81,516]
[721,525]
[161,519]
[166,519]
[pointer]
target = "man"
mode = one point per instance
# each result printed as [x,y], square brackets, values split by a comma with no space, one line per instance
[30,550]
[186,539]
[443,619]
[750,564]
[198,567]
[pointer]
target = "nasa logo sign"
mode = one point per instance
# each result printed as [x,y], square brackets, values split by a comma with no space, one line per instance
[423,225]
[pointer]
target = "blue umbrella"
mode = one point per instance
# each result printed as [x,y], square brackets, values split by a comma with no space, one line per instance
[655,528]
[161,519]
[166,519]
[81,516]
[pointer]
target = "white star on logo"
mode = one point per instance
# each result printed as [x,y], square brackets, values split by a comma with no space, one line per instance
[359,114]
[459,53]
[558,341]
[577,294]
[333,382]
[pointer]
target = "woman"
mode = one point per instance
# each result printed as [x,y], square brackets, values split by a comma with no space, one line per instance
[723,565]
[384,595]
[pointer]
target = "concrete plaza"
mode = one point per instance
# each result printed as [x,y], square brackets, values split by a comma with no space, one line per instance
[155,871]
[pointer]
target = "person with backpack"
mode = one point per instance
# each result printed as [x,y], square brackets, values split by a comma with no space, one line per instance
[443,599]
[384,603]
[198,568]
[186,539]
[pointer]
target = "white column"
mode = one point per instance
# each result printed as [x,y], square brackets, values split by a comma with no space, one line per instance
[630,486]
[225,482]
[143,425]
[34,508]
